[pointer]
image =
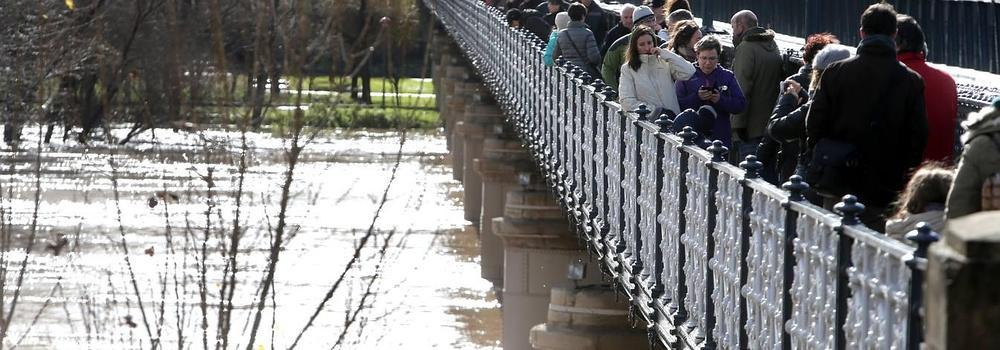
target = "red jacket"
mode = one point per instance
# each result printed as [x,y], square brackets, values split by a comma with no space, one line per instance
[941,100]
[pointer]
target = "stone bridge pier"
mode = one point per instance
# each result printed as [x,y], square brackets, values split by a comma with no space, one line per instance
[528,247]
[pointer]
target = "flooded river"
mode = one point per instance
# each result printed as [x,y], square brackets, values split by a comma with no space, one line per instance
[165,198]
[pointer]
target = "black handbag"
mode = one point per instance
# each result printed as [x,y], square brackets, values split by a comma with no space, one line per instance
[833,166]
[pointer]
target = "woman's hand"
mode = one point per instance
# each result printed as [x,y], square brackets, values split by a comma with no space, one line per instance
[793,87]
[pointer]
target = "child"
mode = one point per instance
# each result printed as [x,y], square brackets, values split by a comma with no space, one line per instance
[923,200]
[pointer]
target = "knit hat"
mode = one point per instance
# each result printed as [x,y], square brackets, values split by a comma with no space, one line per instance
[640,14]
[829,54]
[562,20]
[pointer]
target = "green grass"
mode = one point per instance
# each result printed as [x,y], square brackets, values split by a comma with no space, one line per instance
[324,116]
[406,85]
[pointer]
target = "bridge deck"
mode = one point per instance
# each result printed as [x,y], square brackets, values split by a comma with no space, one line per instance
[709,255]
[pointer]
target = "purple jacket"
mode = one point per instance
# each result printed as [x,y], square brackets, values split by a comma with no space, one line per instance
[731,101]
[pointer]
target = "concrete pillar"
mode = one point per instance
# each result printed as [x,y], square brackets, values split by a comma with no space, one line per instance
[592,318]
[962,302]
[481,115]
[538,250]
[503,159]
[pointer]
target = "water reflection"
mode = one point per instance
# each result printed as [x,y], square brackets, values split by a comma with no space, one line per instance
[416,284]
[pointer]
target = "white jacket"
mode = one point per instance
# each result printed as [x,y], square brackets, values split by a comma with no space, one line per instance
[653,83]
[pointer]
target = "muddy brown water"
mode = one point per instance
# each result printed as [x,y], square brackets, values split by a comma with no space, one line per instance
[424,291]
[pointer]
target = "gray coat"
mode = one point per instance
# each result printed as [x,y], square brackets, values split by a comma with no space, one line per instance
[576,44]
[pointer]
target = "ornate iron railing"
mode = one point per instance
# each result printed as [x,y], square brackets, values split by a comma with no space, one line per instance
[710,255]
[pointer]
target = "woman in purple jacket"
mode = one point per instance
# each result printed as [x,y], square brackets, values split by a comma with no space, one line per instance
[714,86]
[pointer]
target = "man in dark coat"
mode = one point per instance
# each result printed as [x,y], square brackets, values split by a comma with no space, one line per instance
[530,20]
[624,27]
[875,104]
[550,8]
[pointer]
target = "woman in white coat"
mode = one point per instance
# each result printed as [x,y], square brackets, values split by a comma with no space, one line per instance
[649,73]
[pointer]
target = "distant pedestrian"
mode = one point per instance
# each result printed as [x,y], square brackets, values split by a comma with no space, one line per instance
[576,43]
[596,20]
[977,183]
[940,92]
[550,8]
[712,85]
[622,28]
[562,20]
[671,23]
[781,151]
[685,35]
[530,20]
[922,200]
[649,73]
[758,67]
[611,69]
[867,128]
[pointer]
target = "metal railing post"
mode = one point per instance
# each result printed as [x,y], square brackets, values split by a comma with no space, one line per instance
[923,236]
[752,168]
[850,209]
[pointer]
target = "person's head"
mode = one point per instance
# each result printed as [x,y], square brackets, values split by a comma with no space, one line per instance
[585,2]
[680,15]
[674,5]
[577,12]
[928,185]
[562,20]
[643,15]
[878,19]
[909,35]
[708,50]
[555,6]
[741,21]
[514,18]
[685,34]
[641,42]
[816,42]
[626,16]
[659,8]
[824,58]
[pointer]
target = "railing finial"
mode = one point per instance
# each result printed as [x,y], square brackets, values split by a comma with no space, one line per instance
[718,150]
[665,121]
[850,209]
[610,94]
[642,111]
[752,167]
[923,236]
[586,78]
[688,134]
[598,85]
[796,187]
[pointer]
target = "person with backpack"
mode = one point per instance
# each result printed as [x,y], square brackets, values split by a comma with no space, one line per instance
[576,43]
[977,182]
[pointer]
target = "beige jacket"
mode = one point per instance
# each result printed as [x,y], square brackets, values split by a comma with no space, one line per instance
[653,83]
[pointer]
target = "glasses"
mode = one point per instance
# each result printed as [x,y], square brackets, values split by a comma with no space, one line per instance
[713,58]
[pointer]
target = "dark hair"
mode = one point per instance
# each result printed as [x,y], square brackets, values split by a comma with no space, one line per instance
[681,33]
[929,184]
[679,15]
[513,15]
[556,2]
[632,52]
[815,43]
[879,19]
[709,42]
[656,3]
[909,35]
[674,5]
[577,11]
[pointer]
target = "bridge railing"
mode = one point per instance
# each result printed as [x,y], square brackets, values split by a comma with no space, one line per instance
[709,254]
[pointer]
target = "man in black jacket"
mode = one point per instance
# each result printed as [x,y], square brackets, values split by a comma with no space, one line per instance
[874,106]
[621,29]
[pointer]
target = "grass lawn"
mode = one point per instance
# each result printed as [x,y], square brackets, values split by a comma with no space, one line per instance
[406,85]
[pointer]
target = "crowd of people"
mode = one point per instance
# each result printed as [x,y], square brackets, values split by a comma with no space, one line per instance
[877,122]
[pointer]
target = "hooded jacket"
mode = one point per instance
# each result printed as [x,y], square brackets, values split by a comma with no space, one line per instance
[980,159]
[653,83]
[758,68]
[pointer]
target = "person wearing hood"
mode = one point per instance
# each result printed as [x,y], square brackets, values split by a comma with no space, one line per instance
[758,68]
[923,200]
[611,69]
[786,130]
[977,182]
[649,73]
[562,20]
[866,128]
